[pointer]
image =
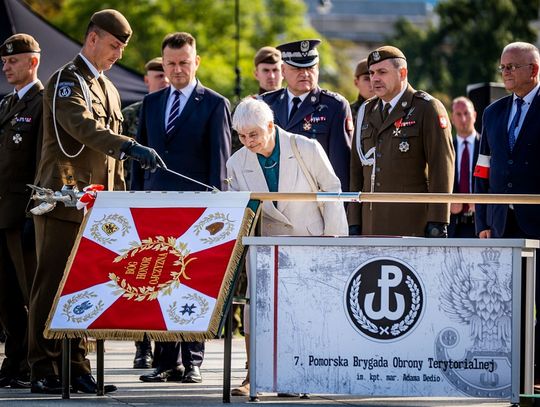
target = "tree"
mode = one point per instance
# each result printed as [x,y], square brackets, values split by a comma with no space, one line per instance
[262,22]
[466,45]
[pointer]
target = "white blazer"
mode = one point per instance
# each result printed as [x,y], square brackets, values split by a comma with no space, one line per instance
[292,218]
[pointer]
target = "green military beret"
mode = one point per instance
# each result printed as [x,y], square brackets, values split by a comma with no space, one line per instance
[267,55]
[19,44]
[385,52]
[361,68]
[155,64]
[114,23]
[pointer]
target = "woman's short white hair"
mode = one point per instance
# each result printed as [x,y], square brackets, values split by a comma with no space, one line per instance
[252,112]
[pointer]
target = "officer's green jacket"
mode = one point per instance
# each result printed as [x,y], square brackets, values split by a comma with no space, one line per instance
[413,153]
[96,131]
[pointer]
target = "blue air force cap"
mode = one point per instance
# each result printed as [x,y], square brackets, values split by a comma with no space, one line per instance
[301,54]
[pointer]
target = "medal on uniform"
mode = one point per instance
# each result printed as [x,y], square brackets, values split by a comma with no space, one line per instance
[404,146]
[397,129]
[307,126]
[17,138]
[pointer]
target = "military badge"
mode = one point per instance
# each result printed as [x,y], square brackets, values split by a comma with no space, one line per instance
[307,126]
[64,91]
[376,56]
[404,146]
[443,122]
[17,138]
[304,46]
[9,47]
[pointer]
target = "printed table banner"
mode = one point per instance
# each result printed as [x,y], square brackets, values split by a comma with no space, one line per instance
[383,321]
[155,262]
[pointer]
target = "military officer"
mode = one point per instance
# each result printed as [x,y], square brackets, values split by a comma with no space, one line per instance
[20,145]
[403,143]
[304,108]
[81,145]
[362,82]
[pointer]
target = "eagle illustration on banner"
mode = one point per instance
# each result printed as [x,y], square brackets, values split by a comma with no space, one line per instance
[157,262]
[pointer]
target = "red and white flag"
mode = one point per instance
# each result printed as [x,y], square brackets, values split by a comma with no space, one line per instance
[155,262]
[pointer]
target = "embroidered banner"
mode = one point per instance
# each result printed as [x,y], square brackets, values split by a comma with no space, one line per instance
[155,262]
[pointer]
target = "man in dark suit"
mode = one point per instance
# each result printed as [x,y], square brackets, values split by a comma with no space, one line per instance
[304,108]
[190,126]
[466,146]
[20,134]
[508,162]
[82,144]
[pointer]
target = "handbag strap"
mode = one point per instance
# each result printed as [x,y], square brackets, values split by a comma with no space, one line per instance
[304,169]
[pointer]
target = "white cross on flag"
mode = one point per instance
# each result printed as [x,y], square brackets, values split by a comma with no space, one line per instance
[155,262]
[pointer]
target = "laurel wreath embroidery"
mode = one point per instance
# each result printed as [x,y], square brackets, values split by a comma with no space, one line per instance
[409,319]
[159,244]
[174,315]
[396,328]
[355,306]
[218,216]
[94,230]
[86,295]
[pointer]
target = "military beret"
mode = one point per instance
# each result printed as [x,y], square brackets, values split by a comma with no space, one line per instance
[302,54]
[361,68]
[114,23]
[385,52]
[19,44]
[267,55]
[155,64]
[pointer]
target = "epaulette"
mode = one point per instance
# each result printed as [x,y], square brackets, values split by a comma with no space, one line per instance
[271,93]
[423,95]
[371,100]
[335,95]
[71,67]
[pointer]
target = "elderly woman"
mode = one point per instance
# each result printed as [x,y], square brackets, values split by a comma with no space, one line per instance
[268,162]
[273,160]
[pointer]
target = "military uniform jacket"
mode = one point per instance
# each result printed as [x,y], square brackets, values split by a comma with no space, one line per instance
[417,156]
[324,116]
[20,146]
[86,149]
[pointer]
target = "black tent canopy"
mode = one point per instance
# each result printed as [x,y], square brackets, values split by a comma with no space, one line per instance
[57,49]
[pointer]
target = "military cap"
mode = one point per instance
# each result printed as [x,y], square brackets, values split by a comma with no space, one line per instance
[301,54]
[155,64]
[361,68]
[385,52]
[19,44]
[267,55]
[114,23]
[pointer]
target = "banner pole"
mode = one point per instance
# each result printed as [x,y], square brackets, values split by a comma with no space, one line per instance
[398,197]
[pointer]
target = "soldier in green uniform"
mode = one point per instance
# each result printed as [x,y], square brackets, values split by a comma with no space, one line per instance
[82,145]
[362,82]
[403,143]
[20,145]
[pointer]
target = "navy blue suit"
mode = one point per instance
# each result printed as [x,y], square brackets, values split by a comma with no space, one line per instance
[324,116]
[198,147]
[511,172]
[461,226]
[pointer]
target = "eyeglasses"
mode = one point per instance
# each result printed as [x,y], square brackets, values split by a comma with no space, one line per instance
[510,67]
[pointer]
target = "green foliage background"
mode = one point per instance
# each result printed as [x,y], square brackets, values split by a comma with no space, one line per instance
[212,22]
[466,44]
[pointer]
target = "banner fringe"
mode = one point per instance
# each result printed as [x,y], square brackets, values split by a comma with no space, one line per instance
[163,336]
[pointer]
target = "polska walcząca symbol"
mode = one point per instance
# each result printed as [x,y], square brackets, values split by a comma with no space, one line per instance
[384,299]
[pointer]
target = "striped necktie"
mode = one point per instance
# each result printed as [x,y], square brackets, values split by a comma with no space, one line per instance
[174,112]
[514,124]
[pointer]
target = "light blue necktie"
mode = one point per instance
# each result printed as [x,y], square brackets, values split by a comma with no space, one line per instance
[514,124]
